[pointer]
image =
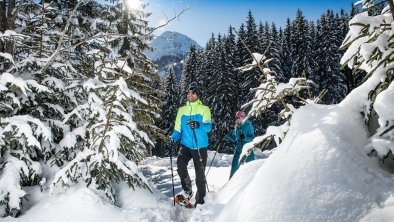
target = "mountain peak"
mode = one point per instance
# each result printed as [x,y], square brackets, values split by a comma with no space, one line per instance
[170,43]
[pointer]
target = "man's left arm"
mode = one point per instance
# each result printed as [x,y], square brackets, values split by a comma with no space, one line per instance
[206,124]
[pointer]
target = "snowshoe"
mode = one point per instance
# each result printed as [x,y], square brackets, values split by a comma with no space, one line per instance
[182,200]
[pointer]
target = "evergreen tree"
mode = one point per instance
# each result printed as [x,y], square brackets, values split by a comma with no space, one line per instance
[264,37]
[328,57]
[284,57]
[286,52]
[207,69]
[274,54]
[145,79]
[189,73]
[110,140]
[250,77]
[304,65]
[40,67]
[169,109]
[375,96]
[221,90]
[231,90]
[251,37]
[351,80]
[241,58]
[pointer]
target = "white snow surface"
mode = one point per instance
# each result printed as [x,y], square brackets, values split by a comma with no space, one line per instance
[320,172]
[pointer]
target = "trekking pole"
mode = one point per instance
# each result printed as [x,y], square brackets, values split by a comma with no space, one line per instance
[172,175]
[167,141]
[199,156]
[216,151]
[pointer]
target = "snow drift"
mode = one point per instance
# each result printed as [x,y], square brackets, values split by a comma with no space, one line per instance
[319,173]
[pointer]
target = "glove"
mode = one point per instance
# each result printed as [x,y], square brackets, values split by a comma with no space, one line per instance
[241,136]
[193,124]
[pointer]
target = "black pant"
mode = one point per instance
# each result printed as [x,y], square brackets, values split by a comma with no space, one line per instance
[185,155]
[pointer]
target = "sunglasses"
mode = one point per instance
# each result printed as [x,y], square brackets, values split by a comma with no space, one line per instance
[191,92]
[239,117]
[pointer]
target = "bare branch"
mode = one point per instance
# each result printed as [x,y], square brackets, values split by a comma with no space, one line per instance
[177,16]
[122,35]
[60,41]
[251,53]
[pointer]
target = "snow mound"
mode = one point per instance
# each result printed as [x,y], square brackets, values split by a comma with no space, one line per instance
[80,203]
[319,173]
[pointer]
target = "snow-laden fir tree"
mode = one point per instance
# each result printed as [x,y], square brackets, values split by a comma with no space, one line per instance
[301,46]
[240,57]
[146,81]
[34,96]
[264,36]
[207,66]
[251,40]
[189,73]
[231,90]
[329,75]
[22,140]
[222,95]
[274,53]
[285,52]
[369,48]
[106,141]
[169,109]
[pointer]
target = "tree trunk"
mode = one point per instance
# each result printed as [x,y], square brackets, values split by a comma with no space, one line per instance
[391,4]
[8,14]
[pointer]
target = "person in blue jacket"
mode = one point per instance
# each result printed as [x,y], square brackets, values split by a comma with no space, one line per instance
[243,133]
[192,125]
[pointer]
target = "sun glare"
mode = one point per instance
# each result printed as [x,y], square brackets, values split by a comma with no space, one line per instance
[134,4]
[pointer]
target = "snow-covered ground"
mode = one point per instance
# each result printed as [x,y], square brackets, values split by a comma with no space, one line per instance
[319,173]
[79,203]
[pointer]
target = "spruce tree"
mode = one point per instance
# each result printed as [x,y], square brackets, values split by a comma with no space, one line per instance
[169,109]
[328,56]
[284,54]
[304,65]
[207,63]
[274,53]
[250,79]
[189,72]
[145,79]
[108,127]
[241,58]
[39,68]
[221,90]
[375,95]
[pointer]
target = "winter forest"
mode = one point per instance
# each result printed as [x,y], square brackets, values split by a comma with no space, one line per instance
[303,49]
[85,116]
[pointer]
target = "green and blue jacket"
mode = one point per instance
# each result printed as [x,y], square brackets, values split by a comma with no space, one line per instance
[192,111]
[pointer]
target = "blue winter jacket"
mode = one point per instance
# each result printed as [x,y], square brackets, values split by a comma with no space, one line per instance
[246,128]
[192,111]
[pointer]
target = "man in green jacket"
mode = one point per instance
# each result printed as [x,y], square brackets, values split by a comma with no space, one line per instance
[192,125]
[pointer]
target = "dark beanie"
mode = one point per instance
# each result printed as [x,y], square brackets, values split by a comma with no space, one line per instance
[194,88]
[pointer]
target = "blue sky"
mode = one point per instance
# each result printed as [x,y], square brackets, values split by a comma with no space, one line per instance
[215,16]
